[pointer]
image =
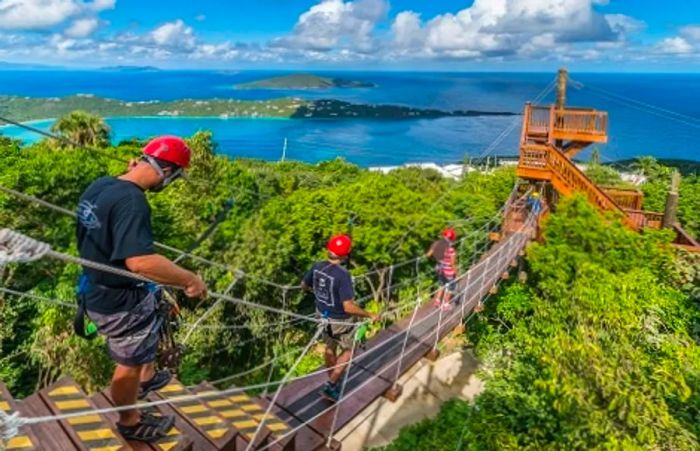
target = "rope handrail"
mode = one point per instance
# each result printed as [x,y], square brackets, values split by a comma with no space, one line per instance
[9,425]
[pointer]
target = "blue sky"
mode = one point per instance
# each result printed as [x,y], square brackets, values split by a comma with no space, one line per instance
[599,35]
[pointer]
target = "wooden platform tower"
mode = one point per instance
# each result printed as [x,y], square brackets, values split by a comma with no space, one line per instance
[552,135]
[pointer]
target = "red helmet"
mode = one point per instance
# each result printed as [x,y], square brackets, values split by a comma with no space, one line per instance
[339,245]
[450,233]
[169,148]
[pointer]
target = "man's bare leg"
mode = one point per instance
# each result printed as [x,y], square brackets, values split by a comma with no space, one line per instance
[340,364]
[148,371]
[331,359]
[439,295]
[125,387]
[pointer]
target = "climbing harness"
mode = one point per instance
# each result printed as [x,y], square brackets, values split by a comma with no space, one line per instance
[170,352]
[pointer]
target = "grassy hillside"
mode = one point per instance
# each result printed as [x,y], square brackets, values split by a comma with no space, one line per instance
[30,108]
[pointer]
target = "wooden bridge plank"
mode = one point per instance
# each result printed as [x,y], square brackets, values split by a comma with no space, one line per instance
[26,440]
[176,440]
[88,432]
[378,362]
[50,435]
[213,426]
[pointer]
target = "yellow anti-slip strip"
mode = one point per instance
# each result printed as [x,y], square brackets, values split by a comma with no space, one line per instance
[97,434]
[232,413]
[274,427]
[87,419]
[19,443]
[107,448]
[194,409]
[219,403]
[239,398]
[4,406]
[73,404]
[171,388]
[68,390]
[206,420]
[217,433]
[245,424]
[167,446]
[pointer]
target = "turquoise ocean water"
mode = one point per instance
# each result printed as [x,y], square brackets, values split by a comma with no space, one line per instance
[650,114]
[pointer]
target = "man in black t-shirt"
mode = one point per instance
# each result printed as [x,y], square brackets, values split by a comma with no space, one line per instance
[334,293]
[114,228]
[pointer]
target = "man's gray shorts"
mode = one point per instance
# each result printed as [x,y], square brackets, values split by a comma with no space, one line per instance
[339,334]
[132,337]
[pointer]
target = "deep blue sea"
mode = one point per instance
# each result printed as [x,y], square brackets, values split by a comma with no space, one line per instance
[650,114]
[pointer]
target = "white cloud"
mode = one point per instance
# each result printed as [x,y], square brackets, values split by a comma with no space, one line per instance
[82,28]
[44,14]
[337,23]
[175,36]
[686,43]
[675,46]
[508,27]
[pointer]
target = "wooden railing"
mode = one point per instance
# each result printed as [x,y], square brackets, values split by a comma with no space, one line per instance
[644,219]
[576,180]
[533,156]
[569,123]
[631,199]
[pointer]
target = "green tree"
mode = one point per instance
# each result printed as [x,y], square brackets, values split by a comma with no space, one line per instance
[82,128]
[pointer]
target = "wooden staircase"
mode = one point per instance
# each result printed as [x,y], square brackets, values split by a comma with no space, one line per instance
[552,135]
[218,422]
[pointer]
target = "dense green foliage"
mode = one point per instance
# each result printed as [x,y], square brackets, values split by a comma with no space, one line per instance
[282,216]
[598,351]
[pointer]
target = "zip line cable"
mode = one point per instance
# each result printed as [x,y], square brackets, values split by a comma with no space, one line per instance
[642,106]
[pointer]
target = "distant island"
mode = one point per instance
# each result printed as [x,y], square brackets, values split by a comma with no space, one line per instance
[304,81]
[130,69]
[34,108]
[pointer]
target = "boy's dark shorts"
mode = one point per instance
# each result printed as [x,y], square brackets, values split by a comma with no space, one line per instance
[132,336]
[342,335]
[449,283]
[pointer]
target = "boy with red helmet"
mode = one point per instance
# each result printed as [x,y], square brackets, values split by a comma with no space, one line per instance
[334,293]
[114,228]
[445,255]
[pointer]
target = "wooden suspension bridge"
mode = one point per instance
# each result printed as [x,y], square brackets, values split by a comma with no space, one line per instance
[300,419]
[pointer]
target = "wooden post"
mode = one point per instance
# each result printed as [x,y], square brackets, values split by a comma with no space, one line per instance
[562,78]
[432,355]
[671,210]
[393,393]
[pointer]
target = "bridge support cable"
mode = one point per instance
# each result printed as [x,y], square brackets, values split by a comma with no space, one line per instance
[405,341]
[343,385]
[289,373]
[279,340]
[27,250]
[238,274]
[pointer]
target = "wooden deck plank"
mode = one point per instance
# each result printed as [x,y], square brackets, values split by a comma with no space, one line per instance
[89,431]
[26,440]
[176,440]
[50,435]
[213,426]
